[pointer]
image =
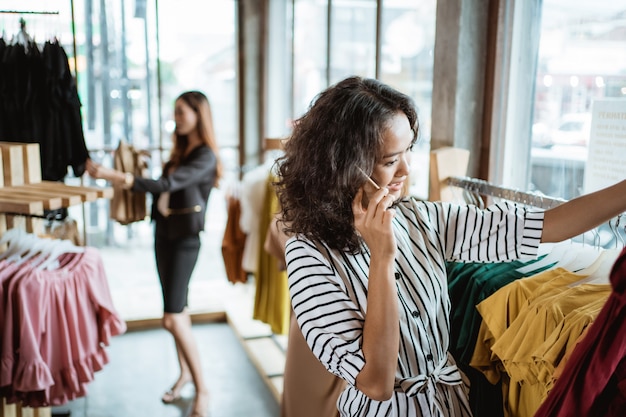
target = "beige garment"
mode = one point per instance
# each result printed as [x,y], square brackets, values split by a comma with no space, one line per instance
[128,206]
[66,229]
[252,195]
[309,390]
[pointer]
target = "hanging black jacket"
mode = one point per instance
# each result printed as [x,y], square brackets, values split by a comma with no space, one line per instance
[39,103]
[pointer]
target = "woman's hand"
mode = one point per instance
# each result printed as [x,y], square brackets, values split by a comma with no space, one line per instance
[99,172]
[374,221]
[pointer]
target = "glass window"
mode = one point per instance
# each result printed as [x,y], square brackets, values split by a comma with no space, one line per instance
[581,58]
[279,69]
[197,51]
[353,39]
[309,52]
[133,65]
[407,40]
[406,63]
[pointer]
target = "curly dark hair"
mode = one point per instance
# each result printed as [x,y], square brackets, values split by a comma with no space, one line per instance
[318,174]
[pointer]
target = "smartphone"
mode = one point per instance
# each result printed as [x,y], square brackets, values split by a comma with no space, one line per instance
[371,181]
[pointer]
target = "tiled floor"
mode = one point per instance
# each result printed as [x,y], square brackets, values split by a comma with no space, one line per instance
[143,365]
[243,360]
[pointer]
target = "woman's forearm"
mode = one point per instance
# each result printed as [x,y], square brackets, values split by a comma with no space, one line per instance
[115,177]
[583,213]
[381,333]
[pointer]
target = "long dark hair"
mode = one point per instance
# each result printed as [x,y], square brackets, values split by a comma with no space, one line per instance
[318,174]
[200,104]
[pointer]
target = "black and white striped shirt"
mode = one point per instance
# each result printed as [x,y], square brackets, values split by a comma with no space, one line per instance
[328,291]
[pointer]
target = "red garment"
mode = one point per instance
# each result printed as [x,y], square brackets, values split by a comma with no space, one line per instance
[593,382]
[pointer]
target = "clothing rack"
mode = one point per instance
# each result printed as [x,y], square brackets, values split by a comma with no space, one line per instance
[27,12]
[49,216]
[448,170]
[51,12]
[24,197]
[483,187]
[26,202]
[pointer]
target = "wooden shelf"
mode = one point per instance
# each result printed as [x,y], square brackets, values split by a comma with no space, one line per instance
[86,194]
[18,205]
[24,192]
[52,195]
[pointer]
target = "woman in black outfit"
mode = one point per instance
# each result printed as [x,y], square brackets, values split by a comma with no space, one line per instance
[178,211]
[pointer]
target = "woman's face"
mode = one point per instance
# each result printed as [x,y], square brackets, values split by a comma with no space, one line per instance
[392,170]
[185,117]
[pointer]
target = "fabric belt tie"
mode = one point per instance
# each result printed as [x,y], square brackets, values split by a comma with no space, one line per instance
[446,373]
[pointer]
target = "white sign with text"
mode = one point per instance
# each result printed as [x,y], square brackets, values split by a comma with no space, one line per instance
[606,161]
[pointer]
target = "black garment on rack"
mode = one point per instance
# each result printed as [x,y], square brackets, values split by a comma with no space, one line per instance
[39,103]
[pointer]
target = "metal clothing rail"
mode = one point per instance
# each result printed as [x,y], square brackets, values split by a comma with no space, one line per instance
[27,12]
[483,187]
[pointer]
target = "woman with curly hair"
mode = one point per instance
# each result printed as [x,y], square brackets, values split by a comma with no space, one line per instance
[366,264]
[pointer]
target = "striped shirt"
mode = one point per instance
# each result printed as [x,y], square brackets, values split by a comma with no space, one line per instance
[328,291]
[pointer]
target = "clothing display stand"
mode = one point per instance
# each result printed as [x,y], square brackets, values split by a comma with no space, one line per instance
[483,187]
[23,199]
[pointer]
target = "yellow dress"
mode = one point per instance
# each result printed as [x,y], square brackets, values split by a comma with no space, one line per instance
[272,304]
[561,342]
[497,344]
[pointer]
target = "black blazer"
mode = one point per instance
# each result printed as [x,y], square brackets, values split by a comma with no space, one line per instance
[189,186]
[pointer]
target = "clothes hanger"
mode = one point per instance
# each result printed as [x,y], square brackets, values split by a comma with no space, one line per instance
[616,231]
[60,247]
[569,255]
[557,253]
[583,259]
[10,235]
[600,271]
[22,37]
[39,247]
[18,242]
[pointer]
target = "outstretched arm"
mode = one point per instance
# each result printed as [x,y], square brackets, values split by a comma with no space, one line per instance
[113,176]
[584,213]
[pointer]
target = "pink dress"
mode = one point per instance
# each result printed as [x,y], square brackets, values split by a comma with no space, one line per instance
[63,319]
